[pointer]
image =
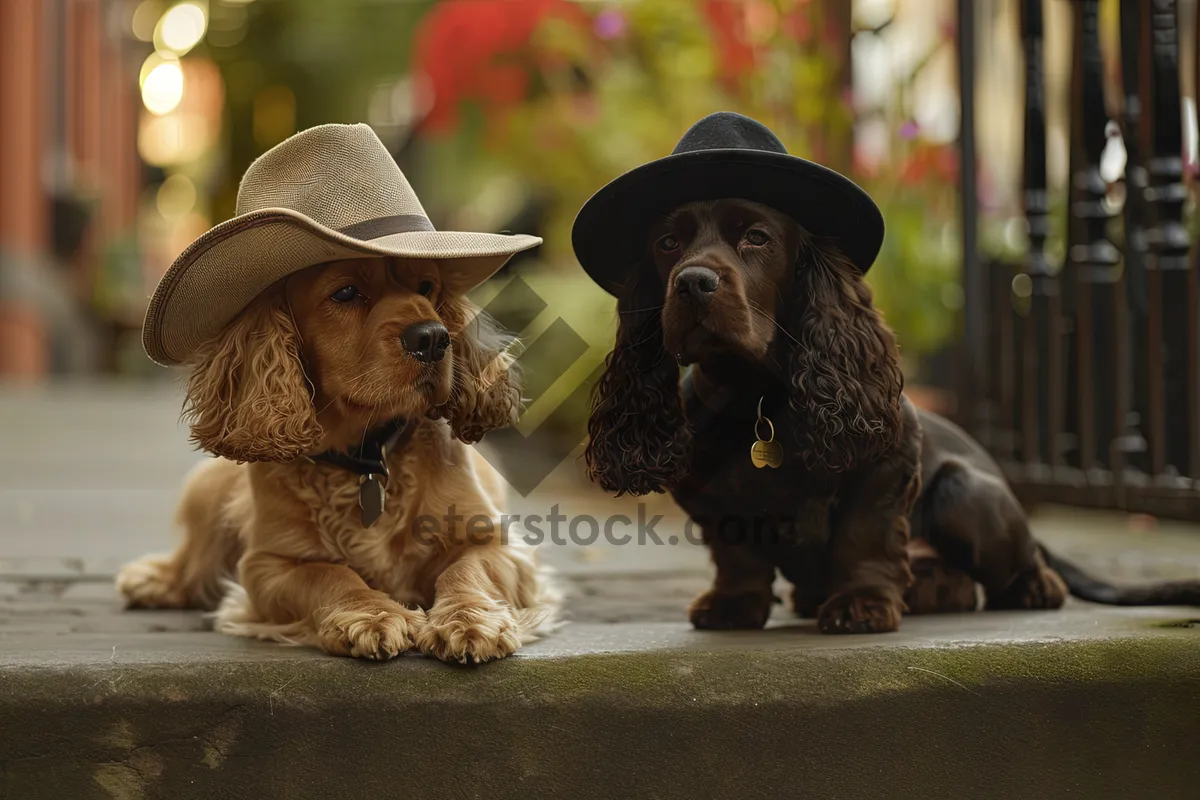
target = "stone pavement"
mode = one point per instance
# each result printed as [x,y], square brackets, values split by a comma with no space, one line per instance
[98,702]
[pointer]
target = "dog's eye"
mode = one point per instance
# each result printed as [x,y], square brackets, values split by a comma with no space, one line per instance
[668,243]
[345,294]
[756,237]
[425,288]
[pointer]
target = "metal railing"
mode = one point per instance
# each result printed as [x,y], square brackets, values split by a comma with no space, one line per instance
[1085,386]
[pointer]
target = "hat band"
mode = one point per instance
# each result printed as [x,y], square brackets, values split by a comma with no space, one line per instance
[378,227]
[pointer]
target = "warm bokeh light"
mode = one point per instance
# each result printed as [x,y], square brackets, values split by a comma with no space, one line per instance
[145,18]
[186,135]
[152,61]
[182,27]
[160,139]
[163,88]
[176,197]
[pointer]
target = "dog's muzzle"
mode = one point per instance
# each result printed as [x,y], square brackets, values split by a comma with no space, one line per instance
[697,284]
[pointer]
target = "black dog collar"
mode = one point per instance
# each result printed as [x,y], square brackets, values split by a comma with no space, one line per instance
[369,462]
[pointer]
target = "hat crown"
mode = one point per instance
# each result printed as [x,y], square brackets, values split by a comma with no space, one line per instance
[337,175]
[726,130]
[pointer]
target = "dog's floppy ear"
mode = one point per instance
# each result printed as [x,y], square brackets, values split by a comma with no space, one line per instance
[487,388]
[639,438]
[247,396]
[846,382]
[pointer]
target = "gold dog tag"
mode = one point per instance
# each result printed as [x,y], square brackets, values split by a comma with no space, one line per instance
[371,494]
[765,452]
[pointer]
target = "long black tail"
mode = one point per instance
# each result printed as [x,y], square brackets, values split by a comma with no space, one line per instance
[1089,587]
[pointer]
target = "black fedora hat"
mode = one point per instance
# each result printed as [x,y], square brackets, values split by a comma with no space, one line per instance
[722,155]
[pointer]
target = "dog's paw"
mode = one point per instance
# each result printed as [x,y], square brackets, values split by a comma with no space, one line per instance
[715,611]
[469,633]
[859,611]
[1038,589]
[379,631]
[939,589]
[151,582]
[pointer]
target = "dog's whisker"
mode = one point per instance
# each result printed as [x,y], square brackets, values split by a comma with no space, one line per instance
[772,320]
[658,307]
[775,361]
[656,332]
[363,442]
[366,384]
[371,371]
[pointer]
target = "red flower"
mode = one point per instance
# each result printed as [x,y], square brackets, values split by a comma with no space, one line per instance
[947,164]
[727,19]
[939,162]
[471,50]
[917,166]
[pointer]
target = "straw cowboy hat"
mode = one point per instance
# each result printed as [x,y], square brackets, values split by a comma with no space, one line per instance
[722,155]
[327,193]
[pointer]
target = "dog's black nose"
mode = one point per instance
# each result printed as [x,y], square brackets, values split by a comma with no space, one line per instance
[698,283]
[426,341]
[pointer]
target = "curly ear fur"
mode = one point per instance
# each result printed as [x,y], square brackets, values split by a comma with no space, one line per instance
[247,396]
[639,438]
[845,369]
[487,381]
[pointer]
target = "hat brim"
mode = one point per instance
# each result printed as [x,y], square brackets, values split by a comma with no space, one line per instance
[225,269]
[609,230]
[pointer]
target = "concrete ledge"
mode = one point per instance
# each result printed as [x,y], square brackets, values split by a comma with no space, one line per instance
[1085,703]
[627,701]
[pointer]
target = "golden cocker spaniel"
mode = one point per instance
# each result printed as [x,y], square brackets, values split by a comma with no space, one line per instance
[291,397]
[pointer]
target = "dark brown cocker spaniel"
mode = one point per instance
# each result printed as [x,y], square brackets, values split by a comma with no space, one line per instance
[784,345]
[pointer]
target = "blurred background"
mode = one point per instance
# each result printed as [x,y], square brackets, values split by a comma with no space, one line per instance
[128,123]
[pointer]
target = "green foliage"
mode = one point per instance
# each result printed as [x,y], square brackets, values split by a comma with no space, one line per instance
[639,93]
[596,108]
[916,279]
[329,54]
[601,108]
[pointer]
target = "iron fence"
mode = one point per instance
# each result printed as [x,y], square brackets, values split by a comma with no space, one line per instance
[1084,384]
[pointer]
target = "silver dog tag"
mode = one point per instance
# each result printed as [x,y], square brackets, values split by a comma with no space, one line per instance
[371,495]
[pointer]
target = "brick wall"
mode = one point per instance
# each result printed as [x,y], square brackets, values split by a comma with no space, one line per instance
[69,99]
